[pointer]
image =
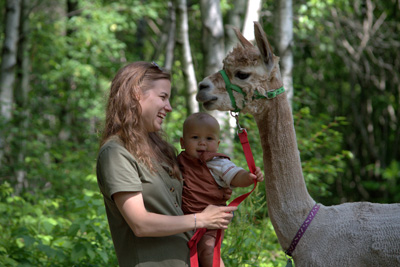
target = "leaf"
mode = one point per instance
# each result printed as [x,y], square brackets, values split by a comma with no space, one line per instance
[73,229]
[78,252]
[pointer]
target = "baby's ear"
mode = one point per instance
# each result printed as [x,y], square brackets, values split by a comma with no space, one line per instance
[182,144]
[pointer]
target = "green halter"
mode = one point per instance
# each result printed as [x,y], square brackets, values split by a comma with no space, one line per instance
[229,87]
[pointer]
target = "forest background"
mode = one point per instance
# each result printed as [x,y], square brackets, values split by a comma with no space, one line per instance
[340,61]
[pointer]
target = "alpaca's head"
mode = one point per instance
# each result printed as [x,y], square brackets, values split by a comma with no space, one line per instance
[254,69]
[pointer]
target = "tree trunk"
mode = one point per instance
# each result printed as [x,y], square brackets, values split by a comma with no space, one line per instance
[214,53]
[66,115]
[212,36]
[21,97]
[8,67]
[186,55]
[252,14]
[234,20]
[169,53]
[284,26]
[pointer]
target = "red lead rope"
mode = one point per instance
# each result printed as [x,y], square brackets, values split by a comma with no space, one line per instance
[194,262]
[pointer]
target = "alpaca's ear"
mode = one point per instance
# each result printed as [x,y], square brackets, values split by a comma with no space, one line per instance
[245,43]
[263,45]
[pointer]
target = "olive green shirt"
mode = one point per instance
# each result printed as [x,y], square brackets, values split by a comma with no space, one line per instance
[118,171]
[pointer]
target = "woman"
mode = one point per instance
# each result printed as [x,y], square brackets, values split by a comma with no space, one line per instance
[138,175]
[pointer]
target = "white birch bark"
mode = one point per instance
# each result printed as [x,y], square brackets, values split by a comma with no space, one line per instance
[169,53]
[9,57]
[21,95]
[252,14]
[285,41]
[186,56]
[214,53]
[213,35]
[8,65]
[234,20]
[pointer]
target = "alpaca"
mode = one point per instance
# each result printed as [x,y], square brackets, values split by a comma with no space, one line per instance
[350,234]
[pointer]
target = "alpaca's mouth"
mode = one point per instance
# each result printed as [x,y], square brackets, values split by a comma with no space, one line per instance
[208,104]
[204,98]
[207,101]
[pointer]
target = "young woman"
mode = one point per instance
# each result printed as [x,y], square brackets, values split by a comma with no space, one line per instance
[138,175]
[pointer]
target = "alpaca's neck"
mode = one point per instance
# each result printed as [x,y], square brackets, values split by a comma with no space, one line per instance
[287,196]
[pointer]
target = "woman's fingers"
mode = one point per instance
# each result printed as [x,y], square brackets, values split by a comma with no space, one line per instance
[228,208]
[217,217]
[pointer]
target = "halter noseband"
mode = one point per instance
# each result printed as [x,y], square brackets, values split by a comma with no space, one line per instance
[232,87]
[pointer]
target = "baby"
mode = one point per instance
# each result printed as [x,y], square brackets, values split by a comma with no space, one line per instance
[208,175]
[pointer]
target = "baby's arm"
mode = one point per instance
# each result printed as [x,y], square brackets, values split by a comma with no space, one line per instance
[244,178]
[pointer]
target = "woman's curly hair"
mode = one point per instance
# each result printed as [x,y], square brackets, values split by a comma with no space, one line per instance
[123,116]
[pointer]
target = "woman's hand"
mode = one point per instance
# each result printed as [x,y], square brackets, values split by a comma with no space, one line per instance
[215,217]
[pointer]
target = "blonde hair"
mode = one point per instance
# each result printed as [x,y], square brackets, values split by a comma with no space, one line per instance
[123,116]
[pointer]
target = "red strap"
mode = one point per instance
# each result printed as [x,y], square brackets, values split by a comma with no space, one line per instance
[200,232]
[194,262]
[247,150]
[217,249]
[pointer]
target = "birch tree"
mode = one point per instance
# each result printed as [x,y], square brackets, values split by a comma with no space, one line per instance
[234,20]
[212,36]
[21,95]
[214,53]
[8,66]
[252,14]
[182,40]
[169,53]
[284,24]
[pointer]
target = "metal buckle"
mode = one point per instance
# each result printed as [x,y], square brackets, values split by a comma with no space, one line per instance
[236,116]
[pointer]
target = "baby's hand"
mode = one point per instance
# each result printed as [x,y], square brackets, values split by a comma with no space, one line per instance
[257,175]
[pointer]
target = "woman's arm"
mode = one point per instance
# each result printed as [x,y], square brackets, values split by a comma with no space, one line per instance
[144,223]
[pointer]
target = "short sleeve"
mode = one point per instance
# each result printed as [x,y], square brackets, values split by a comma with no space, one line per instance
[117,171]
[223,171]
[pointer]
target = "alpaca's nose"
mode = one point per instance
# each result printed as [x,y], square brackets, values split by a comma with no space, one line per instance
[203,86]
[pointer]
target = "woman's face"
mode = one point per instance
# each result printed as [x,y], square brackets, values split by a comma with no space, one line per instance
[155,104]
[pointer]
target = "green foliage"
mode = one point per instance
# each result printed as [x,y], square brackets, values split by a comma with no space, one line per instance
[339,74]
[250,239]
[320,148]
[63,231]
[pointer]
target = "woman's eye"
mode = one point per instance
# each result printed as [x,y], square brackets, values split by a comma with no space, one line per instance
[242,75]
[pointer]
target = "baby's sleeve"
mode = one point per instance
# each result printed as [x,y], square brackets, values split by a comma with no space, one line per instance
[223,171]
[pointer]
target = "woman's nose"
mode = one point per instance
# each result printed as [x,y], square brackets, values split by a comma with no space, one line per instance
[168,107]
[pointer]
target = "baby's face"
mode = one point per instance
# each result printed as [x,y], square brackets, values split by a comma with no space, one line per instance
[199,138]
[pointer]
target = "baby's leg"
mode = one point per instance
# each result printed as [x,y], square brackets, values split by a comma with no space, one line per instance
[205,249]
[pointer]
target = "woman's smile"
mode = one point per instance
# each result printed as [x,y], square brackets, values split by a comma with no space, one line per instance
[155,105]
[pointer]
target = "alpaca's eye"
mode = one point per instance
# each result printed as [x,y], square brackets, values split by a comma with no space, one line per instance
[242,75]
